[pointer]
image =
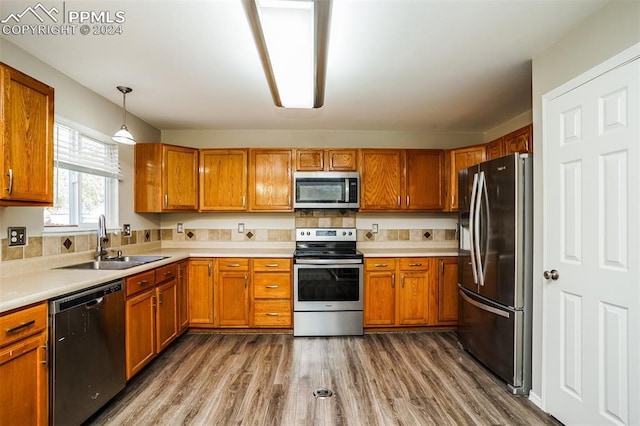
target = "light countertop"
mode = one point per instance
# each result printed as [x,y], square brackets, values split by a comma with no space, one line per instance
[33,287]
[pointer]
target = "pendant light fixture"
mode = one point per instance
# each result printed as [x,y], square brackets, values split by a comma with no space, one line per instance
[123,135]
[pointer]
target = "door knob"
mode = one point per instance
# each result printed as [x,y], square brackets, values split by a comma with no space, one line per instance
[551,275]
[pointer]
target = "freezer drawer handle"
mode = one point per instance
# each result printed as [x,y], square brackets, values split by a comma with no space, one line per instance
[483,306]
[551,275]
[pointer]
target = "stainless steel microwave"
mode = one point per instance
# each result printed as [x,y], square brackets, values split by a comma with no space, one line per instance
[326,190]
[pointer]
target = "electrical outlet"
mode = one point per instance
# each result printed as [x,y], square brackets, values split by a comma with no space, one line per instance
[180,228]
[126,230]
[17,235]
[240,228]
[374,228]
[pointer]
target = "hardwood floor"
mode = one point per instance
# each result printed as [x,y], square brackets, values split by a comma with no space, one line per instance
[378,379]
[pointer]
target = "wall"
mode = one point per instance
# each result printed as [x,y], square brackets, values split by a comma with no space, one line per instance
[76,103]
[608,32]
[509,126]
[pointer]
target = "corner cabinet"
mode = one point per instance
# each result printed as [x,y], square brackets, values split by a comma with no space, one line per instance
[23,366]
[270,180]
[223,179]
[401,180]
[26,140]
[460,159]
[166,178]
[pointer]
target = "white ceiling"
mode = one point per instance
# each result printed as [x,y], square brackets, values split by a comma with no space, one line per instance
[435,65]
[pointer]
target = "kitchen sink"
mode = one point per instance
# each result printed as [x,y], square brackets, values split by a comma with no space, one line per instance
[115,263]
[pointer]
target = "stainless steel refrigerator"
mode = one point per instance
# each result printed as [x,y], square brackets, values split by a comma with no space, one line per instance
[495,266]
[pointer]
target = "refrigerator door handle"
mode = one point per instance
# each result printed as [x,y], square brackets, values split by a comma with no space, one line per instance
[474,190]
[483,306]
[479,272]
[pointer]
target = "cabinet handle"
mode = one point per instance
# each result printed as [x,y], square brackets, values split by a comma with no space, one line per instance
[160,298]
[143,282]
[272,265]
[168,273]
[10,188]
[393,280]
[407,201]
[398,201]
[244,201]
[271,286]
[153,304]
[415,264]
[402,280]
[272,314]
[381,265]
[46,354]
[233,265]
[209,268]
[245,280]
[166,200]
[20,327]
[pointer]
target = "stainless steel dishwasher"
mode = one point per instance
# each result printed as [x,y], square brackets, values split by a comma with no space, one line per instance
[87,351]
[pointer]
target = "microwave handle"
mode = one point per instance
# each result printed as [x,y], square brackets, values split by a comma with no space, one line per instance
[346,190]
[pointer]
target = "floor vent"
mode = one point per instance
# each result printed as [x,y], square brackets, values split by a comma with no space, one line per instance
[323,393]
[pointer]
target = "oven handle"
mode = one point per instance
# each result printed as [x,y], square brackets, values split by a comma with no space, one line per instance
[328,261]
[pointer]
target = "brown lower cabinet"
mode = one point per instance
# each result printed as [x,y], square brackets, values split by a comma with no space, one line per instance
[405,292]
[23,366]
[151,315]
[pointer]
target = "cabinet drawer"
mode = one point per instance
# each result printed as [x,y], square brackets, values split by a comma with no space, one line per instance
[414,264]
[271,264]
[233,264]
[380,264]
[272,285]
[272,313]
[166,273]
[140,282]
[22,323]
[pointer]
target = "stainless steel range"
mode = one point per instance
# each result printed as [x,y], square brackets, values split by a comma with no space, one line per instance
[328,281]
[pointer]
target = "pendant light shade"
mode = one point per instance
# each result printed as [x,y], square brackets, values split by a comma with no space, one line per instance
[123,135]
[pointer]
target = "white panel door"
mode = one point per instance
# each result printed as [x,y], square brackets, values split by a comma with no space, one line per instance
[591,164]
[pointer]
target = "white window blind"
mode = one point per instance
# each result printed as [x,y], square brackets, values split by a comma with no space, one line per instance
[82,153]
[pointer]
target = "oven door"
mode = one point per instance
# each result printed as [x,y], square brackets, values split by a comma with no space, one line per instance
[327,287]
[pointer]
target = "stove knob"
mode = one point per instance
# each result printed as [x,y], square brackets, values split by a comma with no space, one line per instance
[350,233]
[308,232]
[344,233]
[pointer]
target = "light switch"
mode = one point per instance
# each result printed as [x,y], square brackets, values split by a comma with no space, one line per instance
[240,228]
[374,228]
[180,228]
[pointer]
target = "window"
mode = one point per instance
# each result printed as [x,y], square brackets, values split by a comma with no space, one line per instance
[85,179]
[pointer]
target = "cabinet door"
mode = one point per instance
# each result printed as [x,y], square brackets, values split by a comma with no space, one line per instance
[201,292]
[519,141]
[232,297]
[26,139]
[461,159]
[413,298]
[494,149]
[166,314]
[424,181]
[379,298]
[140,331]
[444,307]
[270,180]
[343,160]
[381,179]
[24,382]
[183,296]
[223,180]
[180,178]
[309,160]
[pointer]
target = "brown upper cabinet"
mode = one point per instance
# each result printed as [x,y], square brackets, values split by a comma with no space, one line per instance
[460,159]
[317,160]
[520,140]
[26,140]
[394,179]
[270,180]
[166,178]
[223,179]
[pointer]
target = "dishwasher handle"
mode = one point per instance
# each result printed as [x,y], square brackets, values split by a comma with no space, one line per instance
[94,304]
[91,298]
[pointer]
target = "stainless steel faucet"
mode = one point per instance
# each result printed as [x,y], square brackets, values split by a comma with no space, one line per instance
[102,237]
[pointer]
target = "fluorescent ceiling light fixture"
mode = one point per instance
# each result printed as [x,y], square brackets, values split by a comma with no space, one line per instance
[123,135]
[292,39]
